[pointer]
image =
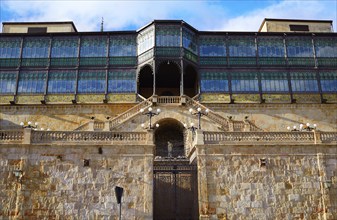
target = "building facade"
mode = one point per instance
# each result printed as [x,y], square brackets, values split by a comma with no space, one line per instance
[192,124]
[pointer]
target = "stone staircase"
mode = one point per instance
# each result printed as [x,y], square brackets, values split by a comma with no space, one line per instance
[224,123]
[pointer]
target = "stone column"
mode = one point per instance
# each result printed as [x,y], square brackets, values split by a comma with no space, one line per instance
[202,175]
[148,183]
[106,126]
[91,126]
[27,135]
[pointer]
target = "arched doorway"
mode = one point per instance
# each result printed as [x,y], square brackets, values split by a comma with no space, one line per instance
[168,78]
[172,131]
[175,184]
[145,81]
[190,81]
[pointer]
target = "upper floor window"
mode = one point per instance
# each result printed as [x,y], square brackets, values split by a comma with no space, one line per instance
[329,81]
[167,36]
[93,46]
[122,81]
[190,40]
[36,47]
[274,82]
[211,46]
[242,46]
[304,82]
[10,47]
[245,82]
[32,82]
[64,47]
[7,82]
[214,81]
[270,46]
[123,46]
[299,47]
[145,39]
[326,46]
[91,81]
[61,81]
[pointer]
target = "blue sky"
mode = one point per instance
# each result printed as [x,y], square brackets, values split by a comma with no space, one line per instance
[225,15]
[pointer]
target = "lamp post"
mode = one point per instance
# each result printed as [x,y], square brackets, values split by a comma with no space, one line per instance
[199,113]
[306,127]
[150,114]
[119,194]
[31,126]
[192,128]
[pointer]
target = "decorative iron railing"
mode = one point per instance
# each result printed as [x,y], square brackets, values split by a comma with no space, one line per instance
[169,99]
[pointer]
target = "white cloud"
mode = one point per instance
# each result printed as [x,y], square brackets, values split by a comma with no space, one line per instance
[203,15]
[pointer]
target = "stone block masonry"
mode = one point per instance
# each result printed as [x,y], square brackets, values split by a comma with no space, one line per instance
[57,185]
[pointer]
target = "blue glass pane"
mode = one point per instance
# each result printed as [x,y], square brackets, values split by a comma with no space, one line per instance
[271,47]
[299,47]
[123,46]
[242,46]
[304,82]
[122,81]
[10,47]
[61,81]
[274,82]
[190,40]
[212,46]
[329,81]
[36,47]
[32,82]
[64,47]
[168,36]
[7,82]
[94,46]
[145,40]
[245,82]
[214,82]
[326,46]
[91,81]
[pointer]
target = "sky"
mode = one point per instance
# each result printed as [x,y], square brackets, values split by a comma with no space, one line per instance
[204,15]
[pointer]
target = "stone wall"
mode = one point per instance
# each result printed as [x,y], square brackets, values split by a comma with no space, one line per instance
[267,182]
[57,185]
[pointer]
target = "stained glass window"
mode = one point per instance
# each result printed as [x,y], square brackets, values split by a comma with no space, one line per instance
[122,81]
[123,46]
[326,47]
[10,47]
[145,40]
[64,47]
[245,82]
[61,81]
[329,81]
[299,47]
[190,40]
[242,46]
[32,82]
[91,81]
[212,81]
[271,46]
[168,36]
[212,46]
[274,82]
[36,47]
[7,82]
[93,46]
[304,82]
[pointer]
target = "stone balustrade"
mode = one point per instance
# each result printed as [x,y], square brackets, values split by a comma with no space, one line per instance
[169,99]
[11,136]
[276,137]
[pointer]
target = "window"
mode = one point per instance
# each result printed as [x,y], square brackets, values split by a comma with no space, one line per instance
[304,82]
[64,47]
[245,82]
[212,46]
[212,81]
[36,47]
[7,82]
[122,81]
[91,81]
[274,82]
[190,40]
[145,40]
[34,30]
[61,81]
[93,46]
[122,46]
[168,36]
[10,47]
[240,46]
[31,82]
[329,81]
[296,27]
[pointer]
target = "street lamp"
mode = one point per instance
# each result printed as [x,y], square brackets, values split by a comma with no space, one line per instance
[30,125]
[192,128]
[199,113]
[150,114]
[306,127]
